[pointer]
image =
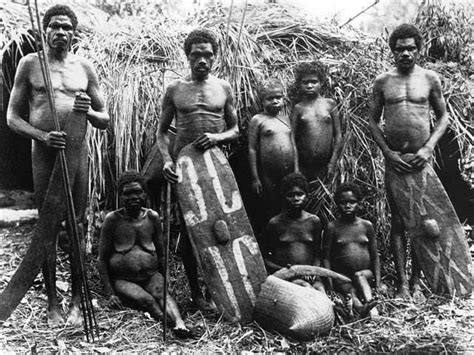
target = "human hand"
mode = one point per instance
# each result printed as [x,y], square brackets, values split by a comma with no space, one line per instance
[114,302]
[421,158]
[55,139]
[395,159]
[82,102]
[169,172]
[206,141]
[257,186]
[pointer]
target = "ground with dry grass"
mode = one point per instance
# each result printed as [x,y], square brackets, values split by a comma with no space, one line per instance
[439,324]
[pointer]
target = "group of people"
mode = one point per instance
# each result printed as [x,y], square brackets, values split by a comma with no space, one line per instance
[284,154]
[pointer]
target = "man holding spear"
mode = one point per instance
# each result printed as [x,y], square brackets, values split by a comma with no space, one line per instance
[77,97]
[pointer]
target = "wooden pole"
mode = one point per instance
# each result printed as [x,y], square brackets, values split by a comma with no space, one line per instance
[166,234]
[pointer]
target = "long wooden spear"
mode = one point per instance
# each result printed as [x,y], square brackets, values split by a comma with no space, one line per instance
[90,323]
[166,233]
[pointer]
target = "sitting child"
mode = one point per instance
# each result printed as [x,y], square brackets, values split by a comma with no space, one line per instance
[350,248]
[293,237]
[131,255]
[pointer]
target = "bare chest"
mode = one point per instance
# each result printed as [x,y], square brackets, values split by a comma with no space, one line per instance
[191,97]
[351,235]
[415,90]
[67,78]
[130,233]
[315,116]
[297,231]
[275,126]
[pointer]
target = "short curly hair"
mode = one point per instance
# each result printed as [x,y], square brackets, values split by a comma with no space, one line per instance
[405,31]
[292,180]
[347,187]
[303,69]
[128,177]
[267,85]
[200,36]
[310,68]
[57,10]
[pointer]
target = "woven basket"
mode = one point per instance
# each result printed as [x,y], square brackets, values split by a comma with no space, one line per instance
[298,312]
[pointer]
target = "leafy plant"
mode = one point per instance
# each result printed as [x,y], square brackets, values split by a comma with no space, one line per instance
[447,30]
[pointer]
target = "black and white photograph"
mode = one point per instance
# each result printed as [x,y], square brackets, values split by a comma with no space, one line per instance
[236,176]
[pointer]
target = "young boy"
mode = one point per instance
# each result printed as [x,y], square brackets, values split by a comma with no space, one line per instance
[350,248]
[272,153]
[315,123]
[131,255]
[293,237]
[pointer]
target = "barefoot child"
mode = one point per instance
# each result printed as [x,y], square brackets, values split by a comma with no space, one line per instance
[293,237]
[315,123]
[131,255]
[272,154]
[350,248]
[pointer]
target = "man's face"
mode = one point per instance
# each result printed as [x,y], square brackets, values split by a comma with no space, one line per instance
[133,197]
[295,198]
[273,101]
[201,58]
[348,204]
[59,33]
[405,53]
[310,85]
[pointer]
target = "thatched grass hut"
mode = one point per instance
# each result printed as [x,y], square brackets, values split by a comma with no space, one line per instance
[136,63]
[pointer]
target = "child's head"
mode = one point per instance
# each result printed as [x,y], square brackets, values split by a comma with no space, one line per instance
[294,190]
[309,79]
[347,198]
[271,94]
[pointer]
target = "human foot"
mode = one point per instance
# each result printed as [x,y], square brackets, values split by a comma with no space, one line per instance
[417,294]
[200,303]
[75,316]
[181,331]
[367,309]
[374,313]
[55,317]
[403,293]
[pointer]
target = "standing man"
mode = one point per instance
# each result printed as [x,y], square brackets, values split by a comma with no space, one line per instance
[203,107]
[405,95]
[75,88]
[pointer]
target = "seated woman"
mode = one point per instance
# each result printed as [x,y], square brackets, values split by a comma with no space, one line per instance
[131,255]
